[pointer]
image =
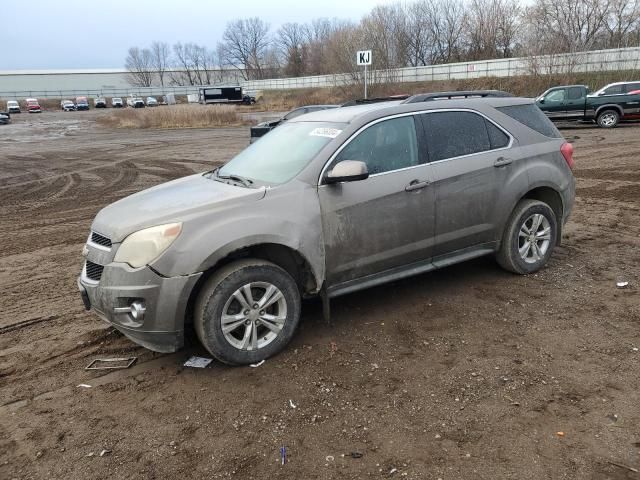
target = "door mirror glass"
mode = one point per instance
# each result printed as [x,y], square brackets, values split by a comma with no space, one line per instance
[348,171]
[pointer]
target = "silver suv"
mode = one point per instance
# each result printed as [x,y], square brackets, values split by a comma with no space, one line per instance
[329,203]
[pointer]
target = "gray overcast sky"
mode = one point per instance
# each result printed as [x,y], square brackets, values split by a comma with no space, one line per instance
[44,34]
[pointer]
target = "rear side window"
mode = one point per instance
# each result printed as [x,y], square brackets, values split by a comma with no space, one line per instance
[453,134]
[633,87]
[497,137]
[575,93]
[531,116]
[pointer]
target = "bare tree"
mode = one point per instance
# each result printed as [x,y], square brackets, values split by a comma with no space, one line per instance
[245,45]
[292,43]
[183,73]
[384,31]
[139,64]
[160,59]
[491,27]
[568,25]
[622,23]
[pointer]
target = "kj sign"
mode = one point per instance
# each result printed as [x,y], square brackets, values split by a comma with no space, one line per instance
[364,57]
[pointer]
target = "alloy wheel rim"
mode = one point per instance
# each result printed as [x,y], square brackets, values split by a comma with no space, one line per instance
[534,238]
[253,316]
[608,119]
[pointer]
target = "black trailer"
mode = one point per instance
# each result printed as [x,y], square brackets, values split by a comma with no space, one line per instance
[221,95]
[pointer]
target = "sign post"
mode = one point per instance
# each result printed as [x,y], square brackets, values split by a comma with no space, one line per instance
[363,57]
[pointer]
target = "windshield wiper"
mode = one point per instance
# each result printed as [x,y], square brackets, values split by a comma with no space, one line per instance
[235,178]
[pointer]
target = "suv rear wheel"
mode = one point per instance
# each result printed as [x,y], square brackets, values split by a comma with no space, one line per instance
[247,311]
[529,237]
[608,119]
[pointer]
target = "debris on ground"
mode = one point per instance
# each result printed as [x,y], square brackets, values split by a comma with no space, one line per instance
[256,365]
[622,284]
[111,363]
[291,404]
[198,362]
[283,455]
[105,452]
[83,385]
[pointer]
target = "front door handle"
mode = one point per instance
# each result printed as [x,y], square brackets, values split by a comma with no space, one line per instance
[502,161]
[416,185]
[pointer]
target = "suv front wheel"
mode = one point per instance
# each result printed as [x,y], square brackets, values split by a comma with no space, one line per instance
[247,311]
[529,237]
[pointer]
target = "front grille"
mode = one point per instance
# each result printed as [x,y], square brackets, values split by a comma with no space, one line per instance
[100,240]
[93,271]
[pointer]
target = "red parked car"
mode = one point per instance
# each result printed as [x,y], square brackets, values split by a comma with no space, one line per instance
[33,106]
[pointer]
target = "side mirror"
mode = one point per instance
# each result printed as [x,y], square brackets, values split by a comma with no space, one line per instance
[541,100]
[348,171]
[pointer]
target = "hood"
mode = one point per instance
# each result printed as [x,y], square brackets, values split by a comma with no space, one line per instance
[176,201]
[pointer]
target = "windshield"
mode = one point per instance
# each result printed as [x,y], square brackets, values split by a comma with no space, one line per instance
[282,153]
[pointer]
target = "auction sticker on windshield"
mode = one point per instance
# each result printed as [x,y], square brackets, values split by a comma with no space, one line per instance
[325,132]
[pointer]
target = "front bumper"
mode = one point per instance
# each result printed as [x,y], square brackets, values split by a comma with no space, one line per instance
[165,299]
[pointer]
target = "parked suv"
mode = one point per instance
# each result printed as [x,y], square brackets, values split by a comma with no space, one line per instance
[261,129]
[326,204]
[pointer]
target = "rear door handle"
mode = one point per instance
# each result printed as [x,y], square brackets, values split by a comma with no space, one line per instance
[502,161]
[416,185]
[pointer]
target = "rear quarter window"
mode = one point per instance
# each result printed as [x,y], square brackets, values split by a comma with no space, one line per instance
[531,116]
[575,93]
[454,134]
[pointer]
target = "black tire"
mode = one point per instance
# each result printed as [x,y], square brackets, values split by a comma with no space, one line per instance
[218,290]
[608,118]
[509,256]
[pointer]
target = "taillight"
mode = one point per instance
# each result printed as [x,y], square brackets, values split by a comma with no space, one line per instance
[567,152]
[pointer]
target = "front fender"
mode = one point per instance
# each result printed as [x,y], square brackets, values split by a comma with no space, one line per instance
[288,216]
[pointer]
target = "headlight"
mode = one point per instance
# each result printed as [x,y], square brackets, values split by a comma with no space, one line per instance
[142,247]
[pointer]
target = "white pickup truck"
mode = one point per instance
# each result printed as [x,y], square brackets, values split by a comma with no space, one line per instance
[135,102]
[13,106]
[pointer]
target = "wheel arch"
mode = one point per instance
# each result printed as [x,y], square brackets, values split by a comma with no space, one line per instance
[551,197]
[609,106]
[289,259]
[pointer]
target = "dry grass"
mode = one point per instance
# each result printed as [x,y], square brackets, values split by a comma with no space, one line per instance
[174,116]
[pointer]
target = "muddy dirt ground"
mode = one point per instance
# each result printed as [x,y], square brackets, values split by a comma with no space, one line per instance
[464,373]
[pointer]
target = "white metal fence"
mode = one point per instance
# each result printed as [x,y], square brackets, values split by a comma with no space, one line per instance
[597,60]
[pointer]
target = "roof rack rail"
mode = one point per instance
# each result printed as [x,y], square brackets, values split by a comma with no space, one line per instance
[426,97]
[363,101]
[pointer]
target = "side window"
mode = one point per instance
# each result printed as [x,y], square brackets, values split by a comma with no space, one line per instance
[452,134]
[497,137]
[555,96]
[614,90]
[575,93]
[386,146]
[633,87]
